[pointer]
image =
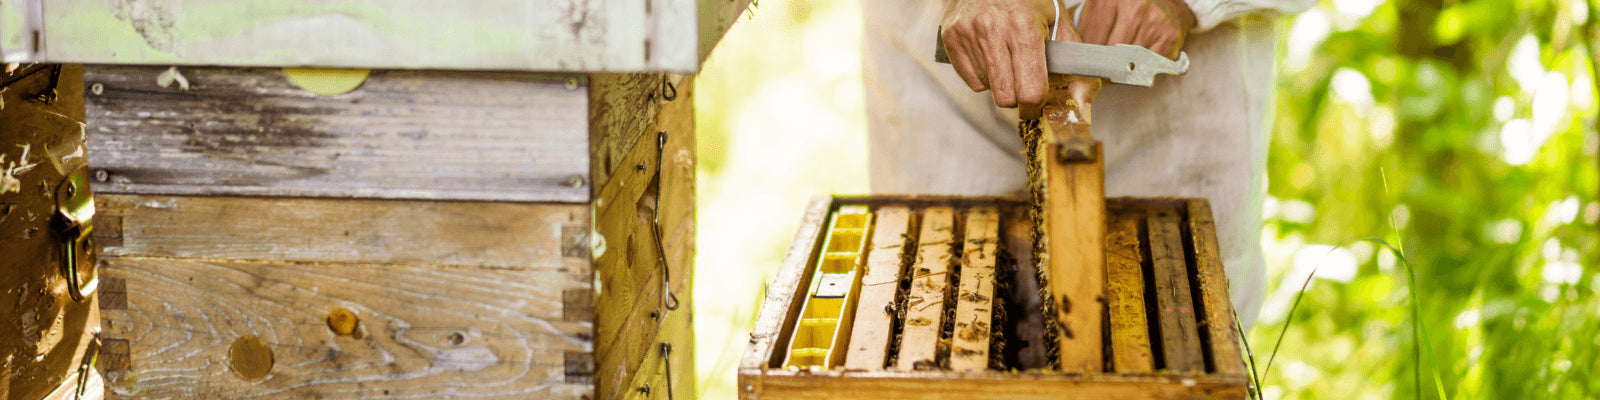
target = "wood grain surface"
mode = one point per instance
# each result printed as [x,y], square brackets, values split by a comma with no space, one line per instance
[651,375]
[400,135]
[1125,288]
[622,108]
[930,289]
[974,318]
[544,237]
[874,324]
[624,332]
[539,35]
[1218,322]
[1180,341]
[949,385]
[630,300]
[715,18]
[421,331]
[776,318]
[1075,224]
[44,337]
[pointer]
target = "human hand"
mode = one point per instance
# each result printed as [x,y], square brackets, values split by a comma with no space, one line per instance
[1158,25]
[998,45]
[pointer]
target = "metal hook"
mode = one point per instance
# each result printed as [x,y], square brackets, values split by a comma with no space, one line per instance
[666,357]
[669,92]
[668,300]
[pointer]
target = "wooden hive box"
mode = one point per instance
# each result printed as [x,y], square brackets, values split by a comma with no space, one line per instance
[429,234]
[502,208]
[945,307]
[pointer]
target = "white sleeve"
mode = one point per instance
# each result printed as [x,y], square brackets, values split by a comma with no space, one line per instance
[1210,13]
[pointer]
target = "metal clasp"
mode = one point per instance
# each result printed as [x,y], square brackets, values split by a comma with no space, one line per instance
[73,225]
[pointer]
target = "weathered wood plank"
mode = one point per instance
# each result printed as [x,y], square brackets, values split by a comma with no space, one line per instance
[969,349]
[345,330]
[43,338]
[776,318]
[1075,224]
[947,385]
[1213,282]
[401,135]
[543,35]
[622,109]
[651,372]
[715,18]
[930,289]
[616,202]
[629,271]
[547,237]
[1180,341]
[869,340]
[1130,330]
[624,339]
[677,207]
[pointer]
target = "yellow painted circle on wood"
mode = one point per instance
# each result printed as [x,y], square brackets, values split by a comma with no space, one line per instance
[326,82]
[250,358]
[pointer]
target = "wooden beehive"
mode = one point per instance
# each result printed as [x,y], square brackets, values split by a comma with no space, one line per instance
[430,234]
[498,202]
[1170,333]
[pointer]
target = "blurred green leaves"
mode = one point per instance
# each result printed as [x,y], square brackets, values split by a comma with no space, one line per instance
[1481,114]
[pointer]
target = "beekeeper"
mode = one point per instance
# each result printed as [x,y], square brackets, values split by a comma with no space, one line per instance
[952,129]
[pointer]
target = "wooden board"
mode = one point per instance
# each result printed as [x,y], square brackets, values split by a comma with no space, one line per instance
[1075,226]
[400,135]
[630,300]
[1125,287]
[969,347]
[930,289]
[650,381]
[1218,323]
[1180,342]
[540,35]
[420,331]
[946,385]
[540,237]
[622,109]
[43,338]
[625,339]
[715,18]
[869,340]
[773,323]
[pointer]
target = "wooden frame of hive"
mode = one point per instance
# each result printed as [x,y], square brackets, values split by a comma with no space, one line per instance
[1189,349]
[429,234]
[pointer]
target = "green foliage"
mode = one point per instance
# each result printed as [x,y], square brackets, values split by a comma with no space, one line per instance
[1504,254]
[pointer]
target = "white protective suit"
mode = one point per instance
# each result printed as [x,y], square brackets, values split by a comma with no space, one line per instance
[1203,134]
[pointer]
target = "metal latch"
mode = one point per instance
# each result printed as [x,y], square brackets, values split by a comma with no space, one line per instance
[73,225]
